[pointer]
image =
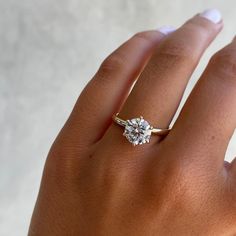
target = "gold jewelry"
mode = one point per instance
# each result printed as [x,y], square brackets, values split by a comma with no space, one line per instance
[137,130]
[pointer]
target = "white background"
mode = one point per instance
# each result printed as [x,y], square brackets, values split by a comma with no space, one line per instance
[48,52]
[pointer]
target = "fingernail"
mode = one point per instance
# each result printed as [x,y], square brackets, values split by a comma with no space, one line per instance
[212,15]
[166,29]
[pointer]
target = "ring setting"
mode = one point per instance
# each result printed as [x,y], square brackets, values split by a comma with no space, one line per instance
[137,130]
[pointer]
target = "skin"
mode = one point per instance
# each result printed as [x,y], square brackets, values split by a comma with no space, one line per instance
[96,183]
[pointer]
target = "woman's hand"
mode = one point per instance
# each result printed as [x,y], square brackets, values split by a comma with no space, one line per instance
[96,183]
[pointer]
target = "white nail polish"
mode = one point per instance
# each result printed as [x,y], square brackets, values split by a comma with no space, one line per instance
[166,29]
[212,15]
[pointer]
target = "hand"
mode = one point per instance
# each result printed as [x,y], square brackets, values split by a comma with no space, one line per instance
[97,183]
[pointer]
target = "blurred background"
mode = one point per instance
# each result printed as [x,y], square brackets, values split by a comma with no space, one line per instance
[48,52]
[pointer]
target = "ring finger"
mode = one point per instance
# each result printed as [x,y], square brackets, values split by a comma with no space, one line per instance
[159,89]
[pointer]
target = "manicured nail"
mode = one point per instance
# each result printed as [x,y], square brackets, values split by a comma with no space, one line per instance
[166,29]
[212,15]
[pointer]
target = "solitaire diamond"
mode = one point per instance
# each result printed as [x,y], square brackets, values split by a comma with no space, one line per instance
[137,131]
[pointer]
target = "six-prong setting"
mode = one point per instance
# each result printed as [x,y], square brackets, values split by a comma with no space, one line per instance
[138,131]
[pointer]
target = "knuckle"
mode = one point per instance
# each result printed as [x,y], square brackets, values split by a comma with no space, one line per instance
[198,29]
[176,50]
[177,181]
[63,161]
[224,63]
[145,37]
[113,63]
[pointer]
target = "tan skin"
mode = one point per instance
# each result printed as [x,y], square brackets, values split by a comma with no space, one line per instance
[96,183]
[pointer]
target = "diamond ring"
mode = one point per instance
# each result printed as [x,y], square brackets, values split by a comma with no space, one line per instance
[137,130]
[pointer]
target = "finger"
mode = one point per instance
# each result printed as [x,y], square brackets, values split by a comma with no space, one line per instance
[232,167]
[208,118]
[158,91]
[105,93]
